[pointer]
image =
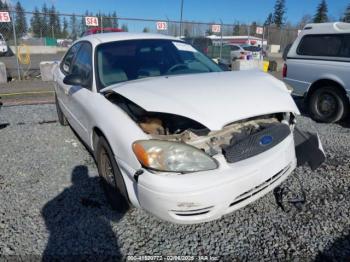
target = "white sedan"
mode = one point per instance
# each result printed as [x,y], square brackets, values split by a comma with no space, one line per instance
[174,134]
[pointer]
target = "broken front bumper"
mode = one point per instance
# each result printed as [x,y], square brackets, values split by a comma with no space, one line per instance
[208,195]
[308,149]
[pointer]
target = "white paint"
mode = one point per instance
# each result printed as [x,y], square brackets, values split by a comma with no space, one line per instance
[214,99]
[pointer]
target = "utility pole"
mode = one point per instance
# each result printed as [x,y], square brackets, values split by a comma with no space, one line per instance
[182,7]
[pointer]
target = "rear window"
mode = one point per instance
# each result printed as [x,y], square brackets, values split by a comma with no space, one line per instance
[325,45]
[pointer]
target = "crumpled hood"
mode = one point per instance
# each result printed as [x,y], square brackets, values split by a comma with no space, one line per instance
[212,99]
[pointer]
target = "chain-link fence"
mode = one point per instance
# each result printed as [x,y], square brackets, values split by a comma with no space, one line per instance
[32,37]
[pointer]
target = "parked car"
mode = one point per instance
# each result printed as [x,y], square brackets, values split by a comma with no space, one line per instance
[317,67]
[171,132]
[257,51]
[99,30]
[200,43]
[238,52]
[3,45]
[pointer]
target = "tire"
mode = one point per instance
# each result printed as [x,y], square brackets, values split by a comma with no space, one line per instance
[61,118]
[328,105]
[111,178]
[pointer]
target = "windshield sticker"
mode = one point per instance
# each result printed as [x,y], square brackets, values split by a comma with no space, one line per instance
[184,47]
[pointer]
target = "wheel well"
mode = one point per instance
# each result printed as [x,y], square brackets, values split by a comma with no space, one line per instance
[96,134]
[322,83]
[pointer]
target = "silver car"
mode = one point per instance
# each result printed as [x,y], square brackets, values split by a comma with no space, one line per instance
[317,67]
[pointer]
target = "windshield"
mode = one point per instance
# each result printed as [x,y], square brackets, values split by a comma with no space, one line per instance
[134,59]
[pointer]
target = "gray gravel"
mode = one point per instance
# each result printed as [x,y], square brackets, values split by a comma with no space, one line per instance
[51,204]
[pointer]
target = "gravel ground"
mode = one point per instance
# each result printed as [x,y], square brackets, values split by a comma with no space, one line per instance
[51,204]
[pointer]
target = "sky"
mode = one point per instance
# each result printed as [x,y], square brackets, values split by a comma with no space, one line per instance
[228,11]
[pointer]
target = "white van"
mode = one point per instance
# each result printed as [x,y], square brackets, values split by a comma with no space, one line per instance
[3,45]
[318,68]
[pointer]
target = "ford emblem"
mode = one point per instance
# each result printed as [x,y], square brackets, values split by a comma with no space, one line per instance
[266,140]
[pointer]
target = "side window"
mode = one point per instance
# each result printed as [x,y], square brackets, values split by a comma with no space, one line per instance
[345,50]
[82,64]
[234,48]
[68,59]
[321,45]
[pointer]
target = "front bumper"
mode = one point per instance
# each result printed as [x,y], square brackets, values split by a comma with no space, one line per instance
[208,195]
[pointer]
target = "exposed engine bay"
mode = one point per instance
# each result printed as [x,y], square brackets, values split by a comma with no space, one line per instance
[164,126]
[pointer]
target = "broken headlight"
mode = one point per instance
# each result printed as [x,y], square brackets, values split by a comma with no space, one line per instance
[172,156]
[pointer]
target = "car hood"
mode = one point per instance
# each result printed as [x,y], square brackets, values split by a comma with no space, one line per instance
[212,99]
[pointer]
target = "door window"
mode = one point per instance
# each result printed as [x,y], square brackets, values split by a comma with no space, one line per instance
[68,59]
[82,64]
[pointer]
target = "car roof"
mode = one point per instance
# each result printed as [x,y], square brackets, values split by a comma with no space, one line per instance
[327,28]
[233,44]
[120,36]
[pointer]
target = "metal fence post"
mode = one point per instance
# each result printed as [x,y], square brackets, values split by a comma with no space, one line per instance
[16,47]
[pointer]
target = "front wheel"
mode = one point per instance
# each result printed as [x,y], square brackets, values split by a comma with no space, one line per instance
[111,177]
[328,105]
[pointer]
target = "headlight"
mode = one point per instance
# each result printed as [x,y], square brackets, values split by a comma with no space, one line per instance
[172,156]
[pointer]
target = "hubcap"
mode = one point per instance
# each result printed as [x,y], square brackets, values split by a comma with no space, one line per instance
[107,170]
[327,104]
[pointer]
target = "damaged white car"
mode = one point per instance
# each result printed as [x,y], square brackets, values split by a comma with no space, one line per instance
[174,134]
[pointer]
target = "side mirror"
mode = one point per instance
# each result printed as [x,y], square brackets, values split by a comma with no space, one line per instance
[74,80]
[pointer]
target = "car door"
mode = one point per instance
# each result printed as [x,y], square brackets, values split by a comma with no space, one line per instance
[80,98]
[64,70]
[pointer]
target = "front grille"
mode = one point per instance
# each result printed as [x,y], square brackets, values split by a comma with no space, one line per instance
[252,145]
[255,190]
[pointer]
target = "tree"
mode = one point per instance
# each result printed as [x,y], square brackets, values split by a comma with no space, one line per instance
[269,20]
[20,21]
[306,19]
[36,23]
[346,17]
[236,28]
[321,15]
[74,27]
[209,32]
[114,20]
[279,12]
[45,21]
[146,30]
[54,23]
[65,28]
[125,28]
[186,32]
[252,29]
